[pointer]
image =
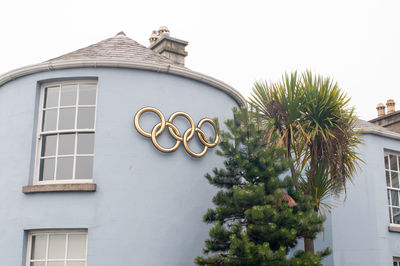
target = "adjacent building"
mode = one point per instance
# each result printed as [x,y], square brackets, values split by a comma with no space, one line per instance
[364,226]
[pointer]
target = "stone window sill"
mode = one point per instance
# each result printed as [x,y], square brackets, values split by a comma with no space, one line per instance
[85,187]
[394,228]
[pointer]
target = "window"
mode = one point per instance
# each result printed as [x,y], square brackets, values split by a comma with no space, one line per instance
[392,182]
[66,132]
[56,248]
[396,261]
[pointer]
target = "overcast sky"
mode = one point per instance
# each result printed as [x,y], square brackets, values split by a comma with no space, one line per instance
[356,42]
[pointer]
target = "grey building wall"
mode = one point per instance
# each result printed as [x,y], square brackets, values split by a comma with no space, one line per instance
[148,206]
[359,224]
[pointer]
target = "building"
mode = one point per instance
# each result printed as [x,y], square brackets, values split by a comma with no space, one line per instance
[364,227]
[80,184]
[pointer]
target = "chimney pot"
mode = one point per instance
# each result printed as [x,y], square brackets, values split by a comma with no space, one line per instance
[381,109]
[390,106]
[153,37]
[163,30]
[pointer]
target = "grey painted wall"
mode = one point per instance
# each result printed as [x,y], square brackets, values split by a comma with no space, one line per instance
[359,225]
[148,206]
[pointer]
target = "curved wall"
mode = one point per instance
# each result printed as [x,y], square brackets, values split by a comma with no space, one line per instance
[148,206]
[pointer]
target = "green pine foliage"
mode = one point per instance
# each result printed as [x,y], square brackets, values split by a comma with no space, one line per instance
[258,217]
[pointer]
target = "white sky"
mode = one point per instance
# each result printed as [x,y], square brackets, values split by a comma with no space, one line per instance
[356,42]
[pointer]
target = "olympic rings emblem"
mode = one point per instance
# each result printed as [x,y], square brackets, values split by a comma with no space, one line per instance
[159,128]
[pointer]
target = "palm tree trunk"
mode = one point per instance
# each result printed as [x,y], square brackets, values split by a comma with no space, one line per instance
[309,245]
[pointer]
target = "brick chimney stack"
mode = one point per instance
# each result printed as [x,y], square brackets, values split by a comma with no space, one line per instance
[390,106]
[381,109]
[390,120]
[172,48]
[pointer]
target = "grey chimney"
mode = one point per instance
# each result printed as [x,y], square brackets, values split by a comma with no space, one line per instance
[172,48]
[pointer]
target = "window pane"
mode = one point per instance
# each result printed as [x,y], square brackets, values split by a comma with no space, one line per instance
[398,159]
[86,117]
[388,195]
[396,215]
[85,143]
[87,94]
[38,263]
[55,263]
[395,198]
[51,97]
[68,95]
[49,120]
[66,144]
[387,178]
[76,247]
[39,247]
[386,162]
[57,246]
[67,119]
[390,215]
[84,167]
[64,168]
[76,263]
[395,179]
[49,145]
[393,162]
[46,169]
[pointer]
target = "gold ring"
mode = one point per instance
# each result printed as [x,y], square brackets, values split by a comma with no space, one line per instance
[171,119]
[158,146]
[149,109]
[203,137]
[197,155]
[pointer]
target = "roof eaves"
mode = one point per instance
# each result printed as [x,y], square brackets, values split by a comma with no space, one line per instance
[118,63]
[392,135]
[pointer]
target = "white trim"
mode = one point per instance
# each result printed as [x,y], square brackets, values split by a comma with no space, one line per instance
[65,181]
[164,68]
[390,188]
[392,135]
[58,132]
[47,233]
[394,228]
[396,260]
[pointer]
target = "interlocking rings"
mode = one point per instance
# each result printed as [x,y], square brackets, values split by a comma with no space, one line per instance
[159,128]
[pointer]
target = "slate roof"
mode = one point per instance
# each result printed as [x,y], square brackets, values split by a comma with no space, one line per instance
[120,52]
[118,47]
[367,127]
[362,124]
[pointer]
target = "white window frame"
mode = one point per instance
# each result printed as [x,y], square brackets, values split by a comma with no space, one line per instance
[54,232]
[56,132]
[391,188]
[396,260]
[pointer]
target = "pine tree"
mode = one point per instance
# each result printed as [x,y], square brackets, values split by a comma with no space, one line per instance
[258,215]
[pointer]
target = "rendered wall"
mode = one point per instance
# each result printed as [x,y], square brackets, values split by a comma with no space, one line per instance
[148,206]
[360,233]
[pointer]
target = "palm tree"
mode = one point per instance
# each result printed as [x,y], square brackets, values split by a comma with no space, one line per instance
[316,126]
[278,105]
